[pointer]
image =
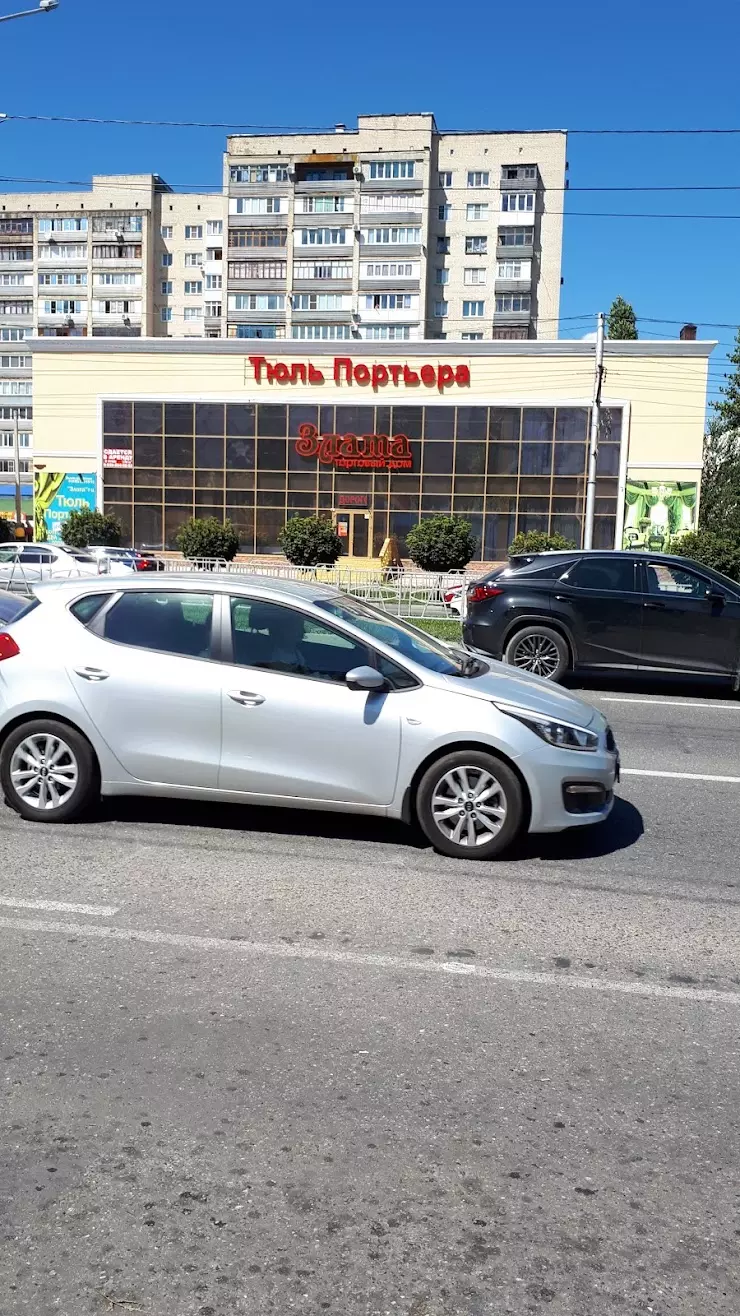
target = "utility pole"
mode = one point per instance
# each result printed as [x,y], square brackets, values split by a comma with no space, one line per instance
[45,7]
[593,442]
[17,456]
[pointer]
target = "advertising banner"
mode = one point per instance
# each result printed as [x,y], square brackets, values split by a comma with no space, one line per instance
[657,511]
[55,495]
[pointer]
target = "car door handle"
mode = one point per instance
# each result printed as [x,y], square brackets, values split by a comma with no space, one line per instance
[92,673]
[246,697]
[656,606]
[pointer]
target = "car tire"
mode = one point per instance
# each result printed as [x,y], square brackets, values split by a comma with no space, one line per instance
[540,651]
[462,831]
[66,782]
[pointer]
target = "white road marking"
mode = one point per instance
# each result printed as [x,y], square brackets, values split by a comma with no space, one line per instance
[682,776]
[397,963]
[670,703]
[60,907]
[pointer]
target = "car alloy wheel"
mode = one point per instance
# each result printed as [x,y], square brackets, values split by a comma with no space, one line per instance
[44,771]
[469,806]
[538,654]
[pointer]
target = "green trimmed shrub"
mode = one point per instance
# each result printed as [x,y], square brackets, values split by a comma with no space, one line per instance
[441,543]
[204,537]
[310,541]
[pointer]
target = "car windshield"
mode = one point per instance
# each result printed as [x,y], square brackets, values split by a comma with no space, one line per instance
[397,634]
[82,557]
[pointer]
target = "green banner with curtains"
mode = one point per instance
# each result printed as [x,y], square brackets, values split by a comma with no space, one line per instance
[55,495]
[657,511]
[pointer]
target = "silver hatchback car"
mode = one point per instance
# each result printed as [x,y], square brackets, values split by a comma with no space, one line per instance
[267,692]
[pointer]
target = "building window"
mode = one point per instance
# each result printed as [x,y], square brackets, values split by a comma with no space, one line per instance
[117,222]
[16,253]
[16,388]
[330,269]
[513,302]
[73,280]
[440,309]
[382,201]
[16,226]
[394,237]
[477,211]
[511,269]
[166,287]
[213,310]
[321,332]
[320,301]
[517,201]
[14,335]
[322,237]
[112,251]
[474,274]
[472,338]
[441,274]
[257,205]
[473,309]
[15,362]
[391,270]
[515,237]
[16,308]
[478,178]
[166,231]
[443,246]
[257,301]
[269,173]
[165,314]
[193,232]
[519,171]
[259,269]
[389,301]
[444,212]
[214,282]
[193,287]
[477,246]
[76,225]
[114,280]
[444,179]
[258,237]
[193,259]
[392,169]
[320,205]
[66,251]
[166,258]
[388,332]
[193,313]
[214,228]
[118,307]
[63,306]
[16,281]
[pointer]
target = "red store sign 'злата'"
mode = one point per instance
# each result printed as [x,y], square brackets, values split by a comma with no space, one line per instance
[355,451]
[347,371]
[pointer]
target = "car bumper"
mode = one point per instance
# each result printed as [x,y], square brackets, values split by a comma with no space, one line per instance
[483,637]
[562,783]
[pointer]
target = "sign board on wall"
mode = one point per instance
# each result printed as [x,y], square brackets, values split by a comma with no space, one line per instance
[55,495]
[118,457]
[657,511]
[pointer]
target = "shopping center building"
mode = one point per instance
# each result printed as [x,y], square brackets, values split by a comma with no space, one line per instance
[158,430]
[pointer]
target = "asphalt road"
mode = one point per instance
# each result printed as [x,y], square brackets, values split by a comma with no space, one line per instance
[271,1063]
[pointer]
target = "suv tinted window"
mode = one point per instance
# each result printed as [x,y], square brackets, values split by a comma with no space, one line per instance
[663,578]
[610,574]
[280,639]
[168,621]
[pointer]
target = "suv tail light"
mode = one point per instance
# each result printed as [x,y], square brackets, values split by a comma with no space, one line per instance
[8,646]
[141,564]
[477,593]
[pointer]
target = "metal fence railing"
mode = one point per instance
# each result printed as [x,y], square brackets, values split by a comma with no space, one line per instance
[404,593]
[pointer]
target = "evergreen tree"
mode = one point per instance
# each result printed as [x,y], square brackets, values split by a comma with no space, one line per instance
[621,321]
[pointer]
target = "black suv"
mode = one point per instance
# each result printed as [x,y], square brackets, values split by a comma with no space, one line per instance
[552,613]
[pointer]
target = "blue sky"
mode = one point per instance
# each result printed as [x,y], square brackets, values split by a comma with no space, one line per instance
[639,64]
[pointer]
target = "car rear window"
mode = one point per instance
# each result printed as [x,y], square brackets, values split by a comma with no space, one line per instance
[88,606]
[13,608]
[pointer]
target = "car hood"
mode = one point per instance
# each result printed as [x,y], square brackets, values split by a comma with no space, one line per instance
[504,684]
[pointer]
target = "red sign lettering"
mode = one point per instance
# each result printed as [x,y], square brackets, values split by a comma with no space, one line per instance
[347,371]
[353,452]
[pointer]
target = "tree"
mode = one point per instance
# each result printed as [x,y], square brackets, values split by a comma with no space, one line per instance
[310,541]
[621,321]
[719,510]
[208,537]
[6,531]
[441,543]
[88,527]
[538,541]
[722,552]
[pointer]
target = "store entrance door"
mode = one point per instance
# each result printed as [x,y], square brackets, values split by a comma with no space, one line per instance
[353,529]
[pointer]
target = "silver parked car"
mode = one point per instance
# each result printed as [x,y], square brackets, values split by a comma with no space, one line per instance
[267,692]
[22,563]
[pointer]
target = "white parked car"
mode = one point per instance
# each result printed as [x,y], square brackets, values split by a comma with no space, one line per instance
[121,561]
[21,564]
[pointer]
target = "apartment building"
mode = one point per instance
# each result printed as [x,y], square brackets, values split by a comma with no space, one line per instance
[394,231]
[127,258]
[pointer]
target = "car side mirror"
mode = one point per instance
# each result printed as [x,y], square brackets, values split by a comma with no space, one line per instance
[365,678]
[715,596]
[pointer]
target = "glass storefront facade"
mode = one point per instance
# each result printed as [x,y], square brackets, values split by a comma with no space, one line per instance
[505,469]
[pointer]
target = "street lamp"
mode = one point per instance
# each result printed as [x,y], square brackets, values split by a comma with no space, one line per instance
[44,7]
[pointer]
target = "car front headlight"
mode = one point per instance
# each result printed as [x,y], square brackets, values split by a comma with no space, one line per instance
[563,735]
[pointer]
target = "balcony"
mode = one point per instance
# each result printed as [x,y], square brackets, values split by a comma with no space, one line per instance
[513,285]
[519,177]
[310,285]
[501,318]
[392,185]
